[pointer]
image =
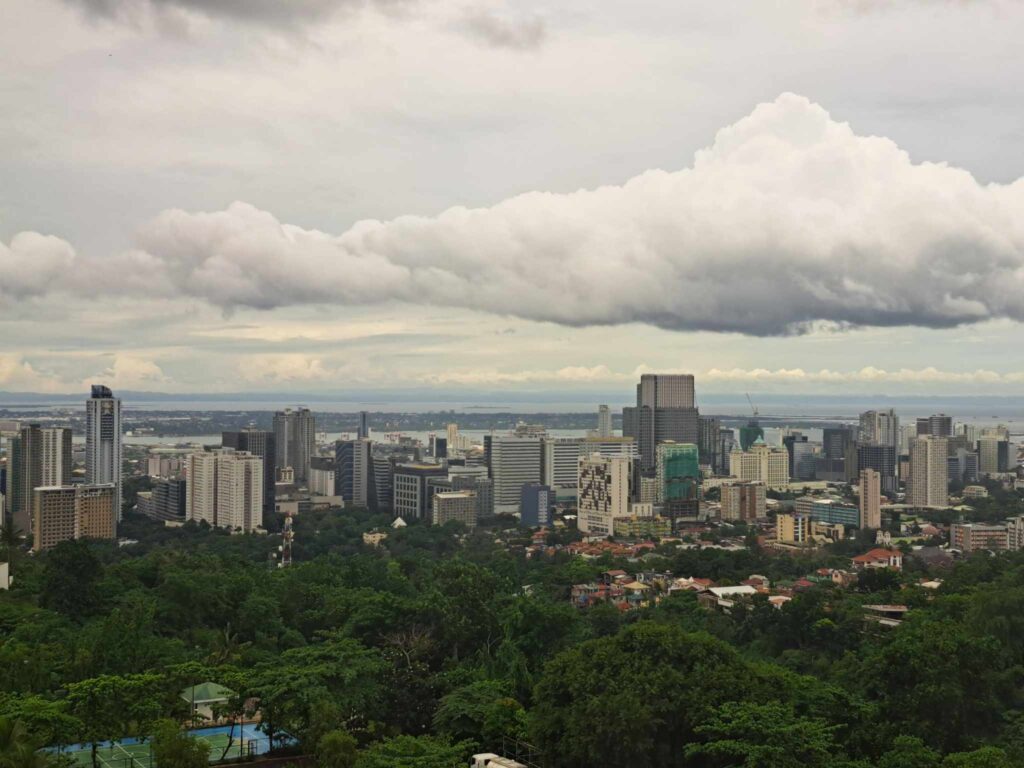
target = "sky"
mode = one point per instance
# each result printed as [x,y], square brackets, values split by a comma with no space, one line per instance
[816,196]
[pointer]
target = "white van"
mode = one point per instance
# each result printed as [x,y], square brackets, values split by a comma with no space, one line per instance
[491,760]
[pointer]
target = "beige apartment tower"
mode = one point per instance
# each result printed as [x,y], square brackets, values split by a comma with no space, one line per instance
[870,499]
[927,485]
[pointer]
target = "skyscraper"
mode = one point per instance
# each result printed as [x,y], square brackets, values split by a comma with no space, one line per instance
[870,500]
[882,459]
[840,455]
[514,462]
[938,425]
[664,410]
[353,474]
[103,449]
[262,443]
[927,485]
[24,473]
[604,421]
[225,488]
[56,456]
[363,432]
[295,441]
[879,428]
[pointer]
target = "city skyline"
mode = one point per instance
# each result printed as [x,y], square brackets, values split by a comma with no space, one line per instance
[807,227]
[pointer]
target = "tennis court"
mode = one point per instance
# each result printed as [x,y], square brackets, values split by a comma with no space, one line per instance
[135,753]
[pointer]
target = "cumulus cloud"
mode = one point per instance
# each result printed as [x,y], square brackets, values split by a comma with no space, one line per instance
[788,222]
[129,372]
[33,264]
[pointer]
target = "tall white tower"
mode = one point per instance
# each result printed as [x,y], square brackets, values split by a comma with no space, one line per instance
[104,452]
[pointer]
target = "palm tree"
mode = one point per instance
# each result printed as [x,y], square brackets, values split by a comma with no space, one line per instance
[17,748]
[225,647]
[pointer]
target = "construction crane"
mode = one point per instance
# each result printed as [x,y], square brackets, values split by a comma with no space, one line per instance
[752,406]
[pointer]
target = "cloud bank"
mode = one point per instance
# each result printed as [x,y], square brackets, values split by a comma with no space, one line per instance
[275,12]
[788,221]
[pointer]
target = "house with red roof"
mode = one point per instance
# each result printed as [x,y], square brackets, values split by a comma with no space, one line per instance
[879,558]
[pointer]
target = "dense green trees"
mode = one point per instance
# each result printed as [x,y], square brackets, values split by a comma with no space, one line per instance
[439,644]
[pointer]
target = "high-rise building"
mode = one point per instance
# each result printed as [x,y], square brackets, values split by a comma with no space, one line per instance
[604,421]
[24,473]
[54,516]
[788,442]
[410,500]
[363,432]
[560,460]
[993,455]
[761,463]
[750,433]
[56,456]
[295,441]
[879,428]
[454,505]
[514,462]
[678,474]
[870,501]
[839,455]
[536,503]
[65,512]
[882,459]
[225,489]
[603,493]
[352,472]
[103,448]
[166,500]
[664,410]
[712,453]
[938,425]
[262,443]
[743,501]
[321,476]
[928,483]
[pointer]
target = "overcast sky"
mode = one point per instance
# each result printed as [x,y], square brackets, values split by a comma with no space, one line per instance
[314,195]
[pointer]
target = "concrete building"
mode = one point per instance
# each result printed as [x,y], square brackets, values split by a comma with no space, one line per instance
[993,455]
[882,459]
[536,503]
[761,464]
[262,443]
[321,476]
[839,455]
[938,425]
[977,537]
[225,489]
[354,472]
[610,446]
[560,464]
[928,483]
[465,478]
[24,473]
[514,462]
[163,465]
[363,430]
[454,505]
[56,456]
[104,452]
[603,493]
[836,512]
[879,428]
[743,501]
[166,500]
[63,513]
[711,444]
[665,410]
[410,499]
[870,500]
[295,441]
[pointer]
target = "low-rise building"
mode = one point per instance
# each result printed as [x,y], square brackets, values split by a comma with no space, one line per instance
[979,537]
[743,501]
[879,558]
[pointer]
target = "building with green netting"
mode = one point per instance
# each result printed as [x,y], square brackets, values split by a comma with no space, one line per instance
[678,477]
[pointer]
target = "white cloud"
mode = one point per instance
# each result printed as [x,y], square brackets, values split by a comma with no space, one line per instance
[129,372]
[789,222]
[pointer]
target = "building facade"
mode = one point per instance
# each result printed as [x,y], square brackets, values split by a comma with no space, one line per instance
[262,443]
[514,462]
[870,499]
[104,451]
[928,483]
[295,441]
[761,463]
[743,501]
[603,493]
[459,506]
